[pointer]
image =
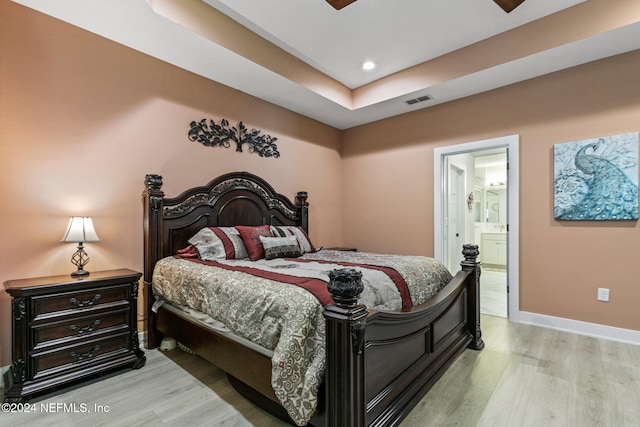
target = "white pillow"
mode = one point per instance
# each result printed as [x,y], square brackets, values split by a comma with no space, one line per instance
[214,243]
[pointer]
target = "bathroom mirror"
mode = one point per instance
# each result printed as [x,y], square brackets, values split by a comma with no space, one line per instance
[478,205]
[496,212]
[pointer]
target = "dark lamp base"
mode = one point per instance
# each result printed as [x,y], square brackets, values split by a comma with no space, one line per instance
[80,273]
[80,259]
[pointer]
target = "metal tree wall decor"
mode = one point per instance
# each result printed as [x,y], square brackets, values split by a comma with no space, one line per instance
[220,135]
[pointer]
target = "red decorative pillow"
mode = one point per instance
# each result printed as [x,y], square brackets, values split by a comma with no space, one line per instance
[251,238]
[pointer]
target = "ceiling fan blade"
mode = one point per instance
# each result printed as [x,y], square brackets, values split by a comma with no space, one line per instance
[339,4]
[508,5]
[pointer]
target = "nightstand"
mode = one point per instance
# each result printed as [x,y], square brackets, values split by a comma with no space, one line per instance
[65,329]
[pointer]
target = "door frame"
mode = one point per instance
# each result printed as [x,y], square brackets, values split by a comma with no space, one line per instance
[460,225]
[512,143]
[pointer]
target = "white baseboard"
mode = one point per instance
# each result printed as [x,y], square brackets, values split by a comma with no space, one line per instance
[142,339]
[628,336]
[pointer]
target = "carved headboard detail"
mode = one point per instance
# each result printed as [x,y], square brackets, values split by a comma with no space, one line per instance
[237,198]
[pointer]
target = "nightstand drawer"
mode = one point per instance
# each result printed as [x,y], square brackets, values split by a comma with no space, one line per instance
[79,328]
[66,303]
[76,357]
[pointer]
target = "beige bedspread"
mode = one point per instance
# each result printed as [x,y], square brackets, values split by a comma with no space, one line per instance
[286,318]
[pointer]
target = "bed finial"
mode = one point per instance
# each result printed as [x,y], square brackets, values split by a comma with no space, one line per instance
[301,198]
[345,286]
[470,253]
[153,181]
[153,192]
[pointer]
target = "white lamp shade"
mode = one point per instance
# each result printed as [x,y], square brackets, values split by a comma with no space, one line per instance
[80,229]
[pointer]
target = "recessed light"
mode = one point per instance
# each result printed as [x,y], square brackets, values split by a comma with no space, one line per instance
[368,65]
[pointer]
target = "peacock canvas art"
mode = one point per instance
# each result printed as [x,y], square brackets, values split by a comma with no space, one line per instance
[596,179]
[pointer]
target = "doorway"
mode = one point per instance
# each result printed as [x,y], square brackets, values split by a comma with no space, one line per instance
[483,178]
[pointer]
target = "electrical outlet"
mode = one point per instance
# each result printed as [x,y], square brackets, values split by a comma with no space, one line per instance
[603,294]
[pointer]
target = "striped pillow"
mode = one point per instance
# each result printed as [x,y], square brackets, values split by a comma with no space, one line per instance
[214,243]
[301,236]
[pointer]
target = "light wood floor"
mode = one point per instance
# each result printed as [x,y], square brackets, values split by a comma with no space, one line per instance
[525,376]
[493,292]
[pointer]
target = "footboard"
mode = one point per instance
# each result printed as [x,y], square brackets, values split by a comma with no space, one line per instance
[380,364]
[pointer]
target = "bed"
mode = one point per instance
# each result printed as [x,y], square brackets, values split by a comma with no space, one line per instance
[378,364]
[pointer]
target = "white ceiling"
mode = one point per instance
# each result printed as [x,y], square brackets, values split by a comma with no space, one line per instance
[396,34]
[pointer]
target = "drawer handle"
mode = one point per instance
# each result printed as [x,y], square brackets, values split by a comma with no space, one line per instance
[80,357]
[80,331]
[88,302]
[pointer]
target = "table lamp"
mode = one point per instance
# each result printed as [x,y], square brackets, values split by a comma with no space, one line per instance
[80,230]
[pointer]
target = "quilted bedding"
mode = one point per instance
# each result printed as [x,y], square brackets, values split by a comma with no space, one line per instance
[286,318]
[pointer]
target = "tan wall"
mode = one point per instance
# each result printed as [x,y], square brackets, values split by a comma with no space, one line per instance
[84,119]
[388,167]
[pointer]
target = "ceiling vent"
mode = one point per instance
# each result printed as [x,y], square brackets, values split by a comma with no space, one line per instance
[418,99]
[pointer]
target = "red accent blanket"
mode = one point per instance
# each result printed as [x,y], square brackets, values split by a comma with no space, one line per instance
[316,286]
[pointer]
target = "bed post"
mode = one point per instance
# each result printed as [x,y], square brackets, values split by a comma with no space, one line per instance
[301,201]
[344,373]
[152,196]
[470,263]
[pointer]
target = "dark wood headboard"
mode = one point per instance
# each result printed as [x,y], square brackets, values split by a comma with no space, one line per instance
[237,198]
